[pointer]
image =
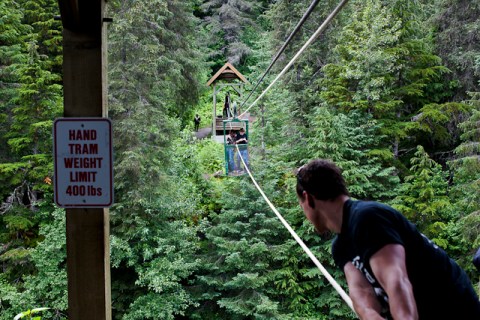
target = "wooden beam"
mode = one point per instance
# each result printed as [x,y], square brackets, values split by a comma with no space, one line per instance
[229,68]
[85,95]
[88,264]
[81,15]
[214,110]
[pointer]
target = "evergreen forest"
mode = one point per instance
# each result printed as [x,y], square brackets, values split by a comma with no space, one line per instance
[390,91]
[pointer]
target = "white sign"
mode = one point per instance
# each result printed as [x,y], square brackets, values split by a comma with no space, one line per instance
[83,162]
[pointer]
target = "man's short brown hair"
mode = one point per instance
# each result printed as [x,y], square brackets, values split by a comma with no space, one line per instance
[322,179]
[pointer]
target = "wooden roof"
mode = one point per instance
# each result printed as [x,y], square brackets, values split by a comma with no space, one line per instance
[227,72]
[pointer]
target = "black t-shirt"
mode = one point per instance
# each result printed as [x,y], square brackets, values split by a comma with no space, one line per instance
[231,139]
[240,136]
[441,288]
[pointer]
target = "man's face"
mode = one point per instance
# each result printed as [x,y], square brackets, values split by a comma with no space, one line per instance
[313,214]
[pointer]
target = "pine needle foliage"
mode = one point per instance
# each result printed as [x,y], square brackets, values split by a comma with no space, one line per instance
[466,177]
[423,197]
[371,93]
[242,254]
[153,82]
[384,68]
[457,42]
[467,166]
[30,93]
[225,22]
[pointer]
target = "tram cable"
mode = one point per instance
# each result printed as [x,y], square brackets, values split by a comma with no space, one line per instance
[285,44]
[325,273]
[305,46]
[322,269]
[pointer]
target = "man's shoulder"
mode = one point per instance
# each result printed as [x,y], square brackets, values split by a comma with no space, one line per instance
[339,251]
[366,208]
[366,214]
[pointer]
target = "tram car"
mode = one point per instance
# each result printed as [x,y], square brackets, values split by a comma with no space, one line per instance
[235,141]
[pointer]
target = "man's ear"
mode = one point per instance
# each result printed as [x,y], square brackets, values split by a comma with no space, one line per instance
[311,203]
[309,199]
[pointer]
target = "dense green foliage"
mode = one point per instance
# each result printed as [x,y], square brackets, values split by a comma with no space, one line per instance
[390,91]
[457,37]
[31,98]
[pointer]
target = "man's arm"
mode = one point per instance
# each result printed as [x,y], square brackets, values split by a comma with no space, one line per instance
[363,297]
[388,266]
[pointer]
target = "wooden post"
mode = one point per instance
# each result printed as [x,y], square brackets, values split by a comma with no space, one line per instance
[214,131]
[88,249]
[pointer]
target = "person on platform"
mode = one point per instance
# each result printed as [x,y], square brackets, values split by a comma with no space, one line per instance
[242,141]
[231,138]
[392,270]
[226,107]
[235,114]
[196,121]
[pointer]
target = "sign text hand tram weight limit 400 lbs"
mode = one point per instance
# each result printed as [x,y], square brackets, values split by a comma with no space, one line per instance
[83,162]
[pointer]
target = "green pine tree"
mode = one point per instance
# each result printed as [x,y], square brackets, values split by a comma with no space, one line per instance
[354,142]
[465,230]
[47,286]
[466,166]
[456,25]
[12,33]
[154,72]
[385,68]
[32,101]
[423,197]
[226,22]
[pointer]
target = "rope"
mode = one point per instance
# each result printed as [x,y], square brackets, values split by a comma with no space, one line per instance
[330,279]
[309,41]
[277,55]
[325,273]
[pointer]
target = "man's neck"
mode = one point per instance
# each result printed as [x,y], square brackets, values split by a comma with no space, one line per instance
[334,213]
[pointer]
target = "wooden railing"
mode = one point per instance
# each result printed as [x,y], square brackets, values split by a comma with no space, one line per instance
[229,126]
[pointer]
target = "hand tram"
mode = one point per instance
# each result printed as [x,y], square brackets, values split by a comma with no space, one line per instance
[235,141]
[230,123]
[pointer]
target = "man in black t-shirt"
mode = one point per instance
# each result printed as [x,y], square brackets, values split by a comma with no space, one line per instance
[242,141]
[231,151]
[392,270]
[196,121]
